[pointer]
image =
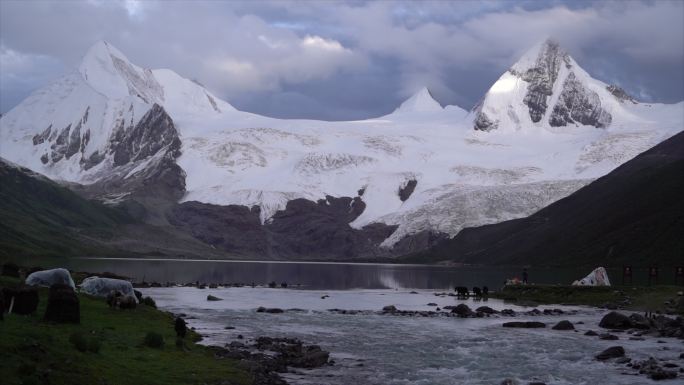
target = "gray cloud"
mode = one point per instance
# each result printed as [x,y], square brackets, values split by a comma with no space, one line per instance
[344,60]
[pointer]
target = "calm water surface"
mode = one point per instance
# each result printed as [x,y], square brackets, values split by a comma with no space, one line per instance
[315,275]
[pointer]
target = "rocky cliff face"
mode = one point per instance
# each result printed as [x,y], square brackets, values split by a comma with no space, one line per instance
[305,230]
[541,78]
[577,104]
[545,75]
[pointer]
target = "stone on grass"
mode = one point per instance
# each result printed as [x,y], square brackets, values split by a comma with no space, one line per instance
[212,298]
[63,305]
[22,300]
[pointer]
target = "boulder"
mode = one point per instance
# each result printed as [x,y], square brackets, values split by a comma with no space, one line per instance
[608,337]
[486,310]
[22,300]
[611,352]
[590,333]
[563,325]
[51,277]
[389,309]
[638,321]
[103,287]
[462,310]
[272,310]
[212,298]
[615,320]
[524,324]
[312,357]
[63,305]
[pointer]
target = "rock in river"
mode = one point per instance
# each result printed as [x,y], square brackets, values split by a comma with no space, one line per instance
[615,320]
[524,324]
[563,325]
[611,352]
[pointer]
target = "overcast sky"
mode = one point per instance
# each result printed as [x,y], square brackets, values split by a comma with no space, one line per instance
[344,60]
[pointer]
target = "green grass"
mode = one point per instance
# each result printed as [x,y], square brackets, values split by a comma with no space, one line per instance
[33,351]
[642,298]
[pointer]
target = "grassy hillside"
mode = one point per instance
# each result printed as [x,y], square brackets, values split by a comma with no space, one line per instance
[33,351]
[634,215]
[40,217]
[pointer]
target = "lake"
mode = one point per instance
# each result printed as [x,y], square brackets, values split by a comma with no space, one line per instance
[318,275]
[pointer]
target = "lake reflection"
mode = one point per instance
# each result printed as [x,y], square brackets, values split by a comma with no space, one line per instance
[333,276]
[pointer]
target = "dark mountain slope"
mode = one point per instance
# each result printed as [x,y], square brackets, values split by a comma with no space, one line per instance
[635,214]
[39,217]
[42,217]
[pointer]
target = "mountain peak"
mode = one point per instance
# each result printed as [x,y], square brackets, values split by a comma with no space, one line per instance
[110,73]
[544,87]
[545,52]
[421,101]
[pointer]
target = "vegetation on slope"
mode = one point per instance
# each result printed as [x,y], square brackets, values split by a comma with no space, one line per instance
[33,351]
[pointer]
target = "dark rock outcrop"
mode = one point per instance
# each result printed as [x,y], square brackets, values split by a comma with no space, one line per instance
[151,134]
[620,94]
[303,230]
[406,191]
[63,305]
[542,77]
[484,123]
[577,104]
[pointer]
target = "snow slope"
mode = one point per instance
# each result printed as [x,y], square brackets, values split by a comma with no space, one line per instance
[465,177]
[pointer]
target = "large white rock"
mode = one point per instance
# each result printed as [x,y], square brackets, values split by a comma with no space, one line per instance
[101,287]
[50,277]
[598,277]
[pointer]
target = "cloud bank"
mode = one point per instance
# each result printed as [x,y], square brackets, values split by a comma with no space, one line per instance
[344,60]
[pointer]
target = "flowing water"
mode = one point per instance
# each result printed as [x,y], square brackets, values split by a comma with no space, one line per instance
[370,348]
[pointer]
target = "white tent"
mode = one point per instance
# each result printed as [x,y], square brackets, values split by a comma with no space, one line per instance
[50,277]
[101,287]
[598,277]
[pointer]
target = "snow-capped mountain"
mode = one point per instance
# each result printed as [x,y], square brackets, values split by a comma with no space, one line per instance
[542,131]
[546,88]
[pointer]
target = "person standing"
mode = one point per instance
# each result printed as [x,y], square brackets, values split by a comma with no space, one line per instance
[524,276]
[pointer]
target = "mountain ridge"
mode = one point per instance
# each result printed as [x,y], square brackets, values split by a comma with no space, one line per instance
[159,140]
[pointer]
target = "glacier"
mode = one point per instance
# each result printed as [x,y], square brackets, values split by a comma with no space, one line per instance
[543,130]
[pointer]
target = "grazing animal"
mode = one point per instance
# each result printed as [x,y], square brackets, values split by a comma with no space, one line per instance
[181,327]
[462,291]
[477,291]
[116,300]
